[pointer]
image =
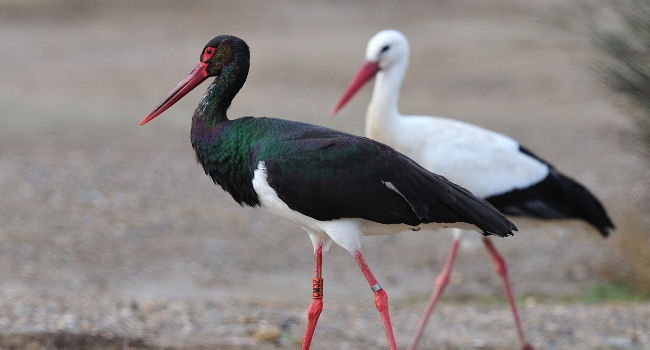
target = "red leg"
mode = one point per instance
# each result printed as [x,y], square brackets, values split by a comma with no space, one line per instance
[441,282]
[317,298]
[381,299]
[501,269]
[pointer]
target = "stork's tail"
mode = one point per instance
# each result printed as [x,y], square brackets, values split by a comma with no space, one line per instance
[556,197]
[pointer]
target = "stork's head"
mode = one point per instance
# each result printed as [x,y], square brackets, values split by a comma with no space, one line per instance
[224,56]
[386,50]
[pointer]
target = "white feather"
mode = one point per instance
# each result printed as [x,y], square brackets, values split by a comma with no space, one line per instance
[483,161]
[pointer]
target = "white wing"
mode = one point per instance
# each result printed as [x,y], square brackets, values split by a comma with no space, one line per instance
[483,161]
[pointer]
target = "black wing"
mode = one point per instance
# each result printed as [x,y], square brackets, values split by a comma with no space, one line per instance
[329,175]
[557,196]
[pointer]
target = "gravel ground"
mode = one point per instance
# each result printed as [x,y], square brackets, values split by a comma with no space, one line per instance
[99,323]
[111,235]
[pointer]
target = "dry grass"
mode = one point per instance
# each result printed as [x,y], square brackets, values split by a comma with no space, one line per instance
[634,248]
[620,31]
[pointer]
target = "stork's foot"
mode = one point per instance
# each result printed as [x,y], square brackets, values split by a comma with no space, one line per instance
[527,346]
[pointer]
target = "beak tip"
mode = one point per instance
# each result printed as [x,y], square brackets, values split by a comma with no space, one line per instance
[145,120]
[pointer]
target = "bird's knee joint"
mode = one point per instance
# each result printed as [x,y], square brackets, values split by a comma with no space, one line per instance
[500,267]
[381,300]
[442,281]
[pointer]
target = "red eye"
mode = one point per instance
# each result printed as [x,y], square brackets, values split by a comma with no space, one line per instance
[207,54]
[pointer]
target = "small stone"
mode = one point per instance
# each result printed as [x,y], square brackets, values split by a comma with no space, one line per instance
[530,302]
[267,333]
[148,306]
[618,342]
[34,345]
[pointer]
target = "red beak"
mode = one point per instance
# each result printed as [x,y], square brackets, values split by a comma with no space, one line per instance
[365,73]
[196,77]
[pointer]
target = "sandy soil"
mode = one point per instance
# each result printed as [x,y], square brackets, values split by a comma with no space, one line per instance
[95,207]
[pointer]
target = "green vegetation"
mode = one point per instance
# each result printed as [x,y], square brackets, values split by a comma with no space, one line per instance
[610,292]
[620,31]
[622,35]
[606,293]
[599,293]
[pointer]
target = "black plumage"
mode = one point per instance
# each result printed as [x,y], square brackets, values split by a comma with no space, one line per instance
[327,175]
[557,196]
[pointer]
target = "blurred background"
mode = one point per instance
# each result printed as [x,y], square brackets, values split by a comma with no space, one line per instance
[111,236]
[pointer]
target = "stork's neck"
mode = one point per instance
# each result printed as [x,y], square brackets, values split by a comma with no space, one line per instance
[214,105]
[383,108]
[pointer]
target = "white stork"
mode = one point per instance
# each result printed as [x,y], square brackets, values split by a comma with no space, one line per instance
[490,165]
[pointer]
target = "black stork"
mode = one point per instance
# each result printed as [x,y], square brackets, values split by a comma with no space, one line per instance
[335,185]
[491,165]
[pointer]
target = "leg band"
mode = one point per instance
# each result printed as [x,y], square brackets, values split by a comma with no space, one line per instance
[317,288]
